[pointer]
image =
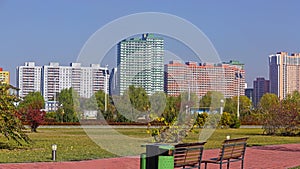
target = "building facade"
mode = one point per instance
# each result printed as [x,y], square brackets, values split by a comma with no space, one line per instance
[84,80]
[28,78]
[284,73]
[249,93]
[4,76]
[260,87]
[51,79]
[227,78]
[140,63]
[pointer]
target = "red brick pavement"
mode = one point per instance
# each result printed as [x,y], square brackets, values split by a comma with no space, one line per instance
[264,157]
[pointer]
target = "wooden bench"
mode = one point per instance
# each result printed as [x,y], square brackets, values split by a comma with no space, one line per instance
[188,155]
[232,150]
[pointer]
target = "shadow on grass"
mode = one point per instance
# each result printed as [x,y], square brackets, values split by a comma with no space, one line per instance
[7,146]
[10,146]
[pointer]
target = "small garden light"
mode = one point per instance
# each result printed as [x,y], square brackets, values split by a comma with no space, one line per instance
[54,147]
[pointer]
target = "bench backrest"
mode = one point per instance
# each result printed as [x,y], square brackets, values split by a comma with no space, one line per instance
[188,153]
[233,149]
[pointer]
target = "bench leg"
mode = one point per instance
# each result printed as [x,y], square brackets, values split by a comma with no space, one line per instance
[205,166]
[242,164]
[228,163]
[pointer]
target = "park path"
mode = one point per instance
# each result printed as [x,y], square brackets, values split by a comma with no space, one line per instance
[258,157]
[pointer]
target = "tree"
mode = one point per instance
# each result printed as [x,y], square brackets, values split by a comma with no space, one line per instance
[111,113]
[212,100]
[30,110]
[283,117]
[244,105]
[33,116]
[201,119]
[158,104]
[267,101]
[172,109]
[33,99]
[139,98]
[69,99]
[10,126]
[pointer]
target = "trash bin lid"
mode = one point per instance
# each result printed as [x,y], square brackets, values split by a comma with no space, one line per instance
[166,147]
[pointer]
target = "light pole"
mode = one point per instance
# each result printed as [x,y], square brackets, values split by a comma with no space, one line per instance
[54,147]
[186,109]
[105,103]
[54,94]
[221,108]
[238,76]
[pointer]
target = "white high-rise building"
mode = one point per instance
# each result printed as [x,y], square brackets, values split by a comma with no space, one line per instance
[85,80]
[51,79]
[28,78]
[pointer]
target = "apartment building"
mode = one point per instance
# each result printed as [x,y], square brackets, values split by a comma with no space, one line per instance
[227,77]
[284,73]
[140,63]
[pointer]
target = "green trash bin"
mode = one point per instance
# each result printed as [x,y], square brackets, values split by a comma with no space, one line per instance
[165,162]
[159,156]
[143,161]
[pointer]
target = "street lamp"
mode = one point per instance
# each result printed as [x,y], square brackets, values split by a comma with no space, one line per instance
[54,147]
[186,109]
[106,89]
[54,95]
[238,76]
[221,108]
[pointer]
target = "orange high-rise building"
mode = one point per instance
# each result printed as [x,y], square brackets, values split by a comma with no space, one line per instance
[228,78]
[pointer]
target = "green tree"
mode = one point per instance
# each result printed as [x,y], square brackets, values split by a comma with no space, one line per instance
[230,106]
[267,101]
[69,100]
[172,108]
[225,120]
[139,98]
[111,113]
[10,126]
[201,119]
[244,105]
[212,100]
[282,118]
[158,104]
[33,99]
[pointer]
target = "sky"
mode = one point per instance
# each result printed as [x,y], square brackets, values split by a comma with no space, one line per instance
[55,31]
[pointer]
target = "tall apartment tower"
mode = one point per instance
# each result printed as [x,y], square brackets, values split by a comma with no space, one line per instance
[228,78]
[4,76]
[284,73]
[140,63]
[28,78]
[260,87]
[85,80]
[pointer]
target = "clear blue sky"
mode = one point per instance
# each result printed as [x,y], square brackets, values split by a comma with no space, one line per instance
[56,30]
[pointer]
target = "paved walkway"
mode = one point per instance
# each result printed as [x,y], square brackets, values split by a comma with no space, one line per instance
[263,157]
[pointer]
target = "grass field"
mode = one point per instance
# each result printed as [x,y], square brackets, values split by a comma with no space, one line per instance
[79,144]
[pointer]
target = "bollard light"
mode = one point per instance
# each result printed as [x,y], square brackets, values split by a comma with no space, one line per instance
[228,137]
[54,147]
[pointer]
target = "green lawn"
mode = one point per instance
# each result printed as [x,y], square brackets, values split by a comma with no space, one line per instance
[75,144]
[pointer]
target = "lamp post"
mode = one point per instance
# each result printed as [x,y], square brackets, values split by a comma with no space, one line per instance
[186,109]
[105,106]
[238,77]
[54,147]
[54,95]
[221,107]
